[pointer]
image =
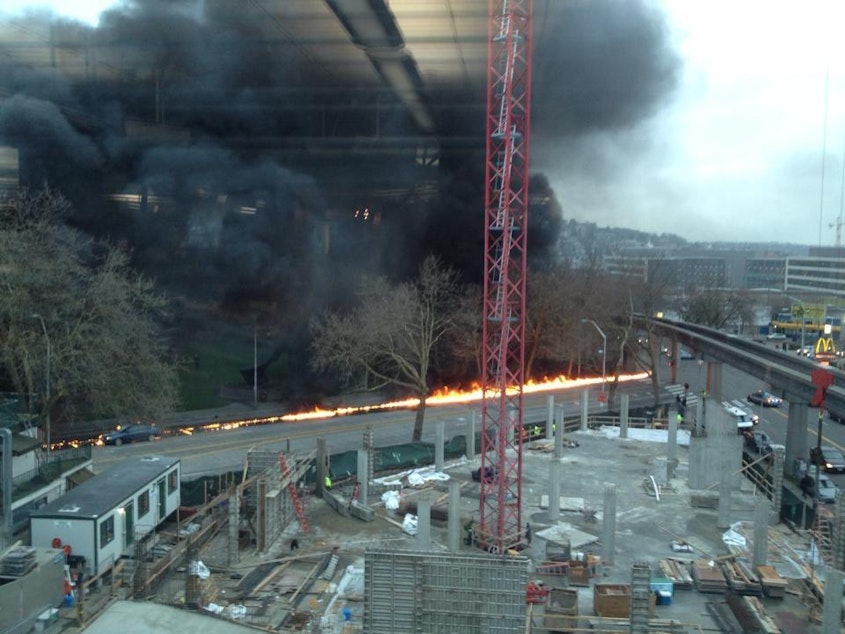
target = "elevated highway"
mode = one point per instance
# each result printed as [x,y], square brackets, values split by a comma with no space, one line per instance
[788,374]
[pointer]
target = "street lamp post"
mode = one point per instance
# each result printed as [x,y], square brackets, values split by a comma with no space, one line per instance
[47,387]
[603,353]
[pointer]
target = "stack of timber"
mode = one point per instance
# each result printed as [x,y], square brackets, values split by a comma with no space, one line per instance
[678,572]
[773,584]
[708,576]
[740,578]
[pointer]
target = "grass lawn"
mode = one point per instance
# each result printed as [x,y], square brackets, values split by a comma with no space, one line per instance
[209,365]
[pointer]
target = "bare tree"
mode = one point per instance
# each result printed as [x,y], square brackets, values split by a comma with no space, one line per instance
[718,308]
[643,291]
[107,353]
[390,337]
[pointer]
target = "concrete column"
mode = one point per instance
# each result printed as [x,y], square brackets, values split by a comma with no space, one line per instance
[453,534]
[363,474]
[424,522]
[777,485]
[471,435]
[322,465]
[672,447]
[724,519]
[554,489]
[796,435]
[370,446]
[585,409]
[761,530]
[714,380]
[439,442]
[550,417]
[832,610]
[608,534]
[624,409]
[234,523]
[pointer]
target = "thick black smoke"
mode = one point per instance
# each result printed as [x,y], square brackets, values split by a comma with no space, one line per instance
[599,66]
[228,190]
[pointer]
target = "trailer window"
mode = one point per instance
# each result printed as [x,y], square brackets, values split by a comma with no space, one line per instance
[143,504]
[172,482]
[107,531]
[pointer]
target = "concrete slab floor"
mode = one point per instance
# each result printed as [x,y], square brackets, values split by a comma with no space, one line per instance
[645,529]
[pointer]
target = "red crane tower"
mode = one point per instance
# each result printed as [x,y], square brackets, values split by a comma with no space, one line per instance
[505,216]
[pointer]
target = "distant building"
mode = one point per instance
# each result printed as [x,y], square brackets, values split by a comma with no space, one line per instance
[822,275]
[765,273]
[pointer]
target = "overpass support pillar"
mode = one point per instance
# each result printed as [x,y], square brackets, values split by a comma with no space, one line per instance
[714,380]
[796,435]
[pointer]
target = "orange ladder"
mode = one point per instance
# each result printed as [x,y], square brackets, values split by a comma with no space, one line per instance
[297,503]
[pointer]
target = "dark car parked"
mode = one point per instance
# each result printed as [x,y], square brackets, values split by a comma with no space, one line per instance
[830,458]
[766,399]
[131,433]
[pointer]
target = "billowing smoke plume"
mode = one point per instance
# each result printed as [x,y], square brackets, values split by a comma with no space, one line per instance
[192,144]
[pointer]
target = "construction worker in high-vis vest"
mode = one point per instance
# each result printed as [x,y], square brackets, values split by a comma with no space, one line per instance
[327,483]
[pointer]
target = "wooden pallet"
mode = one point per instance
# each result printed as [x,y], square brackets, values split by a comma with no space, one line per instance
[678,572]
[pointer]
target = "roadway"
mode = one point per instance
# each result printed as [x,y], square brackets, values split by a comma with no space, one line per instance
[215,452]
[212,452]
[737,385]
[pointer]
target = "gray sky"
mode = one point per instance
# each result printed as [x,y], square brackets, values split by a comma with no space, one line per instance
[736,154]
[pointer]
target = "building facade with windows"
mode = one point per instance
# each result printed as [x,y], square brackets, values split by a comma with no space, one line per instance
[824,275]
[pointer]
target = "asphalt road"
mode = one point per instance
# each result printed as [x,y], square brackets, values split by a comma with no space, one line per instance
[737,385]
[219,451]
[225,449]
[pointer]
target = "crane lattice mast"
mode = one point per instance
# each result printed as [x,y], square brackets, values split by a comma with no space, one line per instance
[506,216]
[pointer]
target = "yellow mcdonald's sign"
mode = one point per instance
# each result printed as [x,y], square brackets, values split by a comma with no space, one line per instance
[825,348]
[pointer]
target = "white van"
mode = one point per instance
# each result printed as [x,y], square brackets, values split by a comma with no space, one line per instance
[744,420]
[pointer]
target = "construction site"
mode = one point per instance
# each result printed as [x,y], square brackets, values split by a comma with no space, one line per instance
[624,532]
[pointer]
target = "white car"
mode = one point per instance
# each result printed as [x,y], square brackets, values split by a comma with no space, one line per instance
[776,336]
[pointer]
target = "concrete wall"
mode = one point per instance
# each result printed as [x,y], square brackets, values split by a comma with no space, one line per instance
[23,599]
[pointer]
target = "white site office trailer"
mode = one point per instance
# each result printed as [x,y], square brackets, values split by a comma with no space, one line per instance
[104,516]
